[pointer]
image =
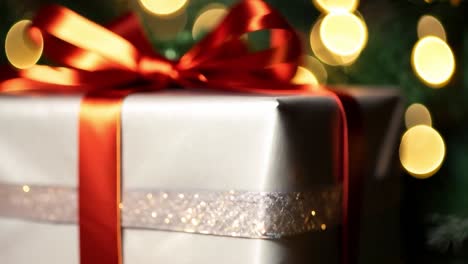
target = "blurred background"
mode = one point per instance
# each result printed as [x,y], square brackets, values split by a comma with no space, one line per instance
[416,46]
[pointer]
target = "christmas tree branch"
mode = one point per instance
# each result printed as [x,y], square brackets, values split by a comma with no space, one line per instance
[449,232]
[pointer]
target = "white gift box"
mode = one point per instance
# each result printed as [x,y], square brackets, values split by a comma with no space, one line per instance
[183,140]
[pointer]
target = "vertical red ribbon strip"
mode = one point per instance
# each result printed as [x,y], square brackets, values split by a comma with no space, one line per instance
[99,179]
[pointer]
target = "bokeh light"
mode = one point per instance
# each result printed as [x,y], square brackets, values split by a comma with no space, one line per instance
[433,61]
[26,188]
[320,51]
[304,76]
[431,26]
[23,45]
[316,67]
[417,114]
[336,5]
[323,54]
[422,151]
[163,7]
[208,19]
[343,33]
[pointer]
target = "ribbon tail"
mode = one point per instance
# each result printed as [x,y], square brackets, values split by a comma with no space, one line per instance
[99,179]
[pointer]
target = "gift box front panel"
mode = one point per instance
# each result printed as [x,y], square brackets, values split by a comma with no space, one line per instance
[177,141]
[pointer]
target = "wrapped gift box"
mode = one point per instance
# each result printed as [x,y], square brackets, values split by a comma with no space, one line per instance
[181,145]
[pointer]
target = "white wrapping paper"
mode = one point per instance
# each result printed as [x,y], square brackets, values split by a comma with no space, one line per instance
[170,141]
[179,140]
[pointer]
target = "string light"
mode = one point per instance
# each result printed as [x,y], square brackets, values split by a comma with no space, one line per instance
[422,151]
[417,114]
[23,45]
[336,5]
[209,18]
[343,33]
[433,61]
[431,26]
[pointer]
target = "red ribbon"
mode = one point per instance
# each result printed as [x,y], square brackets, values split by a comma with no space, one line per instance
[109,63]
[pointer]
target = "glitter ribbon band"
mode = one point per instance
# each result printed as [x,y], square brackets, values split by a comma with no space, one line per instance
[224,213]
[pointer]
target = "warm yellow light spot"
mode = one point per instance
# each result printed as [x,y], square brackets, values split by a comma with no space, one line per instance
[323,226]
[431,26]
[26,188]
[323,54]
[422,151]
[209,18]
[343,33]
[304,76]
[417,114]
[316,67]
[163,7]
[312,213]
[23,46]
[433,61]
[316,44]
[121,206]
[336,5]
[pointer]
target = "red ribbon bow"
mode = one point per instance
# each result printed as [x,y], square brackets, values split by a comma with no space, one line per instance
[105,58]
[109,63]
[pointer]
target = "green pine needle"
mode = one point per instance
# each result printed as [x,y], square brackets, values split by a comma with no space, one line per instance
[450,232]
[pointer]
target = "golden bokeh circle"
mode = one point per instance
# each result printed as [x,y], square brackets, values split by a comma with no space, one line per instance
[23,47]
[431,26]
[322,53]
[208,19]
[163,7]
[316,44]
[304,76]
[316,67]
[417,114]
[336,5]
[433,61]
[422,151]
[343,33]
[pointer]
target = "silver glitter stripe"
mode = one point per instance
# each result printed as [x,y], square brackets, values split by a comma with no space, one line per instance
[224,213]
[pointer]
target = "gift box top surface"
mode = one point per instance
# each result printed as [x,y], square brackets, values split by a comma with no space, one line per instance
[184,140]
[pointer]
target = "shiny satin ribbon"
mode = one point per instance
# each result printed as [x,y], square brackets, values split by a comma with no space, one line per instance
[109,63]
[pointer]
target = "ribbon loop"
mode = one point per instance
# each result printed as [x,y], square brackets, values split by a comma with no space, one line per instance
[157,70]
[93,52]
